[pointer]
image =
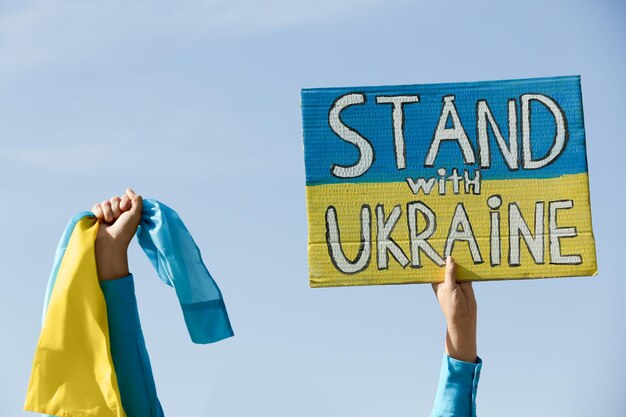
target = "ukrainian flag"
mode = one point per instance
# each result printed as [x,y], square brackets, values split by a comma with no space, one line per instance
[73,373]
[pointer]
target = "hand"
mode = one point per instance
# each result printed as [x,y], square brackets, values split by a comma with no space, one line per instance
[119,219]
[458,304]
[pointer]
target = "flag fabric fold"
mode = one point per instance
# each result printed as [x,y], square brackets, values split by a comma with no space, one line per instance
[175,256]
[72,374]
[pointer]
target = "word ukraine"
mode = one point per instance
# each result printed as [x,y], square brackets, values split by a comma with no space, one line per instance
[493,173]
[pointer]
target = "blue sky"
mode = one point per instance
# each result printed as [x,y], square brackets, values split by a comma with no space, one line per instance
[197,103]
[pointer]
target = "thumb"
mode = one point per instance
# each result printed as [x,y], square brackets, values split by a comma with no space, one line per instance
[450,278]
[136,206]
[126,225]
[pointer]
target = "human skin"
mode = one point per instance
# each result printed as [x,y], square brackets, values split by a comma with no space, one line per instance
[459,307]
[120,216]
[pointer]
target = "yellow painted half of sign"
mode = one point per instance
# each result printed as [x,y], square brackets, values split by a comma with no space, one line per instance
[73,372]
[524,194]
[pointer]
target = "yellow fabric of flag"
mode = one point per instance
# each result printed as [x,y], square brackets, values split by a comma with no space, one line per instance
[72,373]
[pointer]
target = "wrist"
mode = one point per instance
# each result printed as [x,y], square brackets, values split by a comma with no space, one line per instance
[461,343]
[111,261]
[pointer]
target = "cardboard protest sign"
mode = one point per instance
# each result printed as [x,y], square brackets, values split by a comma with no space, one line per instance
[493,173]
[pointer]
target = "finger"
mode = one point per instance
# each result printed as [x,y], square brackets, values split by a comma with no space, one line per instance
[97,211]
[436,285]
[130,193]
[125,203]
[130,219]
[136,206]
[450,277]
[106,211]
[115,206]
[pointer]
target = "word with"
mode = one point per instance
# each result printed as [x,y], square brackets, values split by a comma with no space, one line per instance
[427,185]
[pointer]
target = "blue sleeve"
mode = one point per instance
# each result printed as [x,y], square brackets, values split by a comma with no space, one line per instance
[456,394]
[128,349]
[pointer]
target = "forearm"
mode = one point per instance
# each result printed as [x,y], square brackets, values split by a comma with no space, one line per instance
[460,371]
[461,340]
[128,350]
[111,260]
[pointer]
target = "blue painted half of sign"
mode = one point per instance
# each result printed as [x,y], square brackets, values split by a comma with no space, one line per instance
[374,121]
